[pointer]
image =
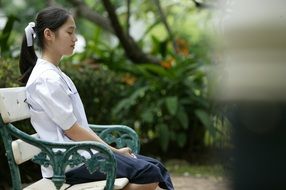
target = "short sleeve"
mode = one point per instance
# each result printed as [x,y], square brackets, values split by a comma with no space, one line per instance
[51,95]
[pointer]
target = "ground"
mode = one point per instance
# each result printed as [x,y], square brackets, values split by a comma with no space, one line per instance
[199,183]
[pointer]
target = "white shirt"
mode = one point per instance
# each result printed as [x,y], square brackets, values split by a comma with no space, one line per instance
[54,104]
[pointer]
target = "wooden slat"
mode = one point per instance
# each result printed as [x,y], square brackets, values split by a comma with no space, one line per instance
[23,151]
[12,104]
[47,184]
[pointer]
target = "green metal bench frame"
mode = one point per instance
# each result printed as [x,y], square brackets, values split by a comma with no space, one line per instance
[60,155]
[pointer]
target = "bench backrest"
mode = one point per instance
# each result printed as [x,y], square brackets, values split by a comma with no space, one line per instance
[13,108]
[12,104]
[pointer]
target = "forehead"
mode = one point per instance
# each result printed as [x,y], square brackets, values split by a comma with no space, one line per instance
[70,23]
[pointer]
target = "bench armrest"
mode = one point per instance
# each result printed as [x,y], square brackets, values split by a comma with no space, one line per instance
[118,135]
[60,155]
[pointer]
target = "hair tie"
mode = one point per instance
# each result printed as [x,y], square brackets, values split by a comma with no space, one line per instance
[30,34]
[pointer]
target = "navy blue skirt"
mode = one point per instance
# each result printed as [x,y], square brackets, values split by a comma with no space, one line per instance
[140,170]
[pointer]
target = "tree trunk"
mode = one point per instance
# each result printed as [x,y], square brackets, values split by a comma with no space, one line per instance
[112,25]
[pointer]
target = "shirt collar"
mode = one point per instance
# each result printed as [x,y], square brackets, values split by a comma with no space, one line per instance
[48,65]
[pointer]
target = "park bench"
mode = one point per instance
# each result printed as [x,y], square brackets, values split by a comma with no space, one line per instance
[21,147]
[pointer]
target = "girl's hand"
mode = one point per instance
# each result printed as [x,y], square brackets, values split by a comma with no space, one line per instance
[126,151]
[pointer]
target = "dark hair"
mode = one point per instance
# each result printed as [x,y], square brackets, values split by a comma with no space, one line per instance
[52,18]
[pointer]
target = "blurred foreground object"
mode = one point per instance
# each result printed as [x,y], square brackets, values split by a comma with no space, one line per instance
[253,87]
[254,51]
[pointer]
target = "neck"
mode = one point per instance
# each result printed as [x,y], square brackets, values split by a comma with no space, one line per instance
[51,57]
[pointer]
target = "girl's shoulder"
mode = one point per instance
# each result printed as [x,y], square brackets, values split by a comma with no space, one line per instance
[44,72]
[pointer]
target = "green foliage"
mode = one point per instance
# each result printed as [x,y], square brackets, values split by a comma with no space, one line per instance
[5,34]
[160,101]
[164,100]
[99,89]
[9,73]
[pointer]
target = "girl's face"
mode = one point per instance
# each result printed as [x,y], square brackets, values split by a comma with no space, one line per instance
[65,38]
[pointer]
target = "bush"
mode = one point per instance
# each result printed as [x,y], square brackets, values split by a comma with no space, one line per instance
[166,102]
[100,89]
[161,102]
[9,73]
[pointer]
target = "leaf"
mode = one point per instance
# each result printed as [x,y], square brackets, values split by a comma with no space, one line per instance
[149,28]
[182,116]
[204,117]
[163,48]
[147,116]
[130,101]
[172,104]
[181,139]
[155,69]
[164,136]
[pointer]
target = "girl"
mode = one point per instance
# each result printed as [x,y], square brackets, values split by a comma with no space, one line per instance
[57,112]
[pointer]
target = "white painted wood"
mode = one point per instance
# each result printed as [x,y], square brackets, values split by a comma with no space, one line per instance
[23,151]
[12,104]
[47,184]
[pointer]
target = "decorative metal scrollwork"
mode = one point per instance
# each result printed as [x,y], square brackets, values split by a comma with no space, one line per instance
[98,162]
[75,160]
[42,159]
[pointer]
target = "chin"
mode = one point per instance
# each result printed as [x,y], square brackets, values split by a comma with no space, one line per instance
[68,53]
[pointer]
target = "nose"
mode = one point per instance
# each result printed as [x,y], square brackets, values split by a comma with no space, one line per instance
[75,38]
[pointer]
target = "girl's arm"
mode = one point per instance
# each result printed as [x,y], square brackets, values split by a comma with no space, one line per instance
[78,133]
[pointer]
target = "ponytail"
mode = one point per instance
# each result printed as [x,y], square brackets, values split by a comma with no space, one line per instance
[28,57]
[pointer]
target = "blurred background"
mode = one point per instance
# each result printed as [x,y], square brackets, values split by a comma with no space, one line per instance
[141,63]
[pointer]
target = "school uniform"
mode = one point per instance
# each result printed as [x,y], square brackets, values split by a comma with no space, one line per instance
[55,106]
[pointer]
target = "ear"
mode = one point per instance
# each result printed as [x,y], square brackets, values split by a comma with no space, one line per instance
[48,34]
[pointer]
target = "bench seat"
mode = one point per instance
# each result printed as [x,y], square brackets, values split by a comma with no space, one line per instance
[47,184]
[23,151]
